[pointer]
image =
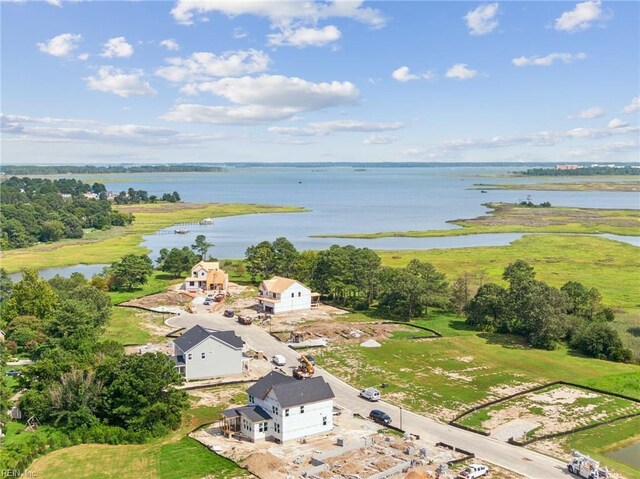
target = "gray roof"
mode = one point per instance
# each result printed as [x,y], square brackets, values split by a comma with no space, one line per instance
[197,334]
[290,391]
[252,413]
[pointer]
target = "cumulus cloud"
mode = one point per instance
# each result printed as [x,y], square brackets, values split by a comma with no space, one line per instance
[117,47]
[633,106]
[62,45]
[303,36]
[116,81]
[589,113]
[170,44]
[204,65]
[262,99]
[379,140]
[548,60]
[239,33]
[403,74]
[89,131]
[581,17]
[617,123]
[461,71]
[280,13]
[322,128]
[55,3]
[482,20]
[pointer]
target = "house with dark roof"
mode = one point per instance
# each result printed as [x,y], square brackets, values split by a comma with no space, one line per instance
[204,353]
[282,408]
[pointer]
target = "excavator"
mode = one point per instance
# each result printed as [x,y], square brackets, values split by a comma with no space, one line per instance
[305,370]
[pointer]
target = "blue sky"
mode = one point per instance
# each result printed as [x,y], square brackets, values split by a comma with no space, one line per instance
[230,80]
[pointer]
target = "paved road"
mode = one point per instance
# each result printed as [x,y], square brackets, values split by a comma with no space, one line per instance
[522,461]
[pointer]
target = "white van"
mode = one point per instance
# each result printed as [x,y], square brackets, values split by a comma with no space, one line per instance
[279,360]
[372,394]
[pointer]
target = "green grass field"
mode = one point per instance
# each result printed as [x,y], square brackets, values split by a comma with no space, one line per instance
[172,457]
[126,326]
[509,218]
[158,282]
[109,246]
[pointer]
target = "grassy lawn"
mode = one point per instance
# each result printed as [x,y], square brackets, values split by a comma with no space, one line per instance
[158,282]
[510,218]
[631,186]
[109,246]
[127,326]
[608,265]
[448,375]
[172,457]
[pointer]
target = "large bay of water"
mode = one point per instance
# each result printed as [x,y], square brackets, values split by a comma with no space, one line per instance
[349,200]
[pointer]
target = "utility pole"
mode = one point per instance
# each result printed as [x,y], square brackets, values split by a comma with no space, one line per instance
[400,407]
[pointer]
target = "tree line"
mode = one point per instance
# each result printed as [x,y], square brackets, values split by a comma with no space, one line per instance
[83,387]
[583,171]
[354,277]
[90,169]
[547,316]
[34,209]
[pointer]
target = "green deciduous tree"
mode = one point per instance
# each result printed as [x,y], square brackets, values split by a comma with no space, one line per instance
[201,246]
[177,260]
[601,341]
[31,296]
[132,270]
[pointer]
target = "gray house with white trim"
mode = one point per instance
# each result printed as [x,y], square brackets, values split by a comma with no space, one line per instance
[204,353]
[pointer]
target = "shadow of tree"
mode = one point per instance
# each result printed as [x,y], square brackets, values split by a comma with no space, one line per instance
[634,331]
[509,341]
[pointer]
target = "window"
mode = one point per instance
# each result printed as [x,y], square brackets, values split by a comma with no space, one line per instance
[250,399]
[293,294]
[274,410]
[189,356]
[286,412]
[263,427]
[276,427]
[203,355]
[301,409]
[324,420]
[299,294]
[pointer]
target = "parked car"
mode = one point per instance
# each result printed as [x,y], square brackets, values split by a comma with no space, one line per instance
[228,313]
[380,417]
[372,394]
[207,302]
[13,372]
[474,470]
[279,360]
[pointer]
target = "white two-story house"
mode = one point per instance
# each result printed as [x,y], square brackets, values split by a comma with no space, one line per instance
[282,408]
[282,295]
[203,353]
[206,276]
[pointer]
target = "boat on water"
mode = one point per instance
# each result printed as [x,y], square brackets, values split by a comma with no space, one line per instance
[181,231]
[207,221]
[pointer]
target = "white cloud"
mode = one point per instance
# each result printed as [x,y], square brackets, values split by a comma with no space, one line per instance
[548,60]
[403,74]
[62,45]
[617,123]
[589,113]
[170,44]
[204,65]
[280,13]
[633,106]
[117,47]
[581,17]
[482,20]
[303,36]
[83,56]
[239,33]
[89,131]
[55,3]
[379,140]
[461,71]
[116,81]
[262,99]
[322,128]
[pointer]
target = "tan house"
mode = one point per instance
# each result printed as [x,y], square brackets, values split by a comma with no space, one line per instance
[206,276]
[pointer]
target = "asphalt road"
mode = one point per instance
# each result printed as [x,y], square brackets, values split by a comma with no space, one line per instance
[517,459]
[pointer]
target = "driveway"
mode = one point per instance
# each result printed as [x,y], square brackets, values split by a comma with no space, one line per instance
[517,459]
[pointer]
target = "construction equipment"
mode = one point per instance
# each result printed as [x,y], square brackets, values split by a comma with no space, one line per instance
[586,467]
[305,370]
[244,320]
